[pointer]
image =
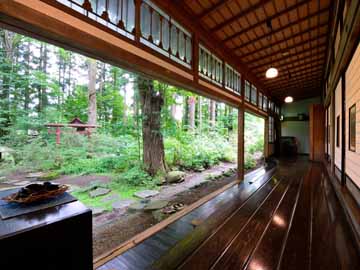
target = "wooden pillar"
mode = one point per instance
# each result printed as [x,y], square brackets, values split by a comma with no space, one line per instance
[332,132]
[342,130]
[195,63]
[266,137]
[137,20]
[241,128]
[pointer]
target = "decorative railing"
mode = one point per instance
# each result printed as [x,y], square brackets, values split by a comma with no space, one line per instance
[210,66]
[163,34]
[232,79]
[117,15]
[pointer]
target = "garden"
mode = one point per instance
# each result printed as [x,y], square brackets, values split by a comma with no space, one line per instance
[153,147]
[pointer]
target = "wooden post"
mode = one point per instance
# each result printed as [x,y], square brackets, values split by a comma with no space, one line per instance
[195,59]
[266,137]
[332,133]
[137,20]
[241,141]
[343,134]
[58,133]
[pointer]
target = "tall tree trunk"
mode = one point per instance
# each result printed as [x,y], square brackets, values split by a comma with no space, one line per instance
[200,112]
[212,113]
[192,102]
[27,74]
[153,144]
[92,92]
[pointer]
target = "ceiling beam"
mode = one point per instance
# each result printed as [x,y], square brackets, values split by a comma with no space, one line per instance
[286,65]
[273,61]
[296,70]
[302,43]
[293,77]
[235,18]
[282,28]
[296,85]
[241,13]
[299,80]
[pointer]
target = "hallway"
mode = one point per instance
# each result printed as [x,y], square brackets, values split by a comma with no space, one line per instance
[287,218]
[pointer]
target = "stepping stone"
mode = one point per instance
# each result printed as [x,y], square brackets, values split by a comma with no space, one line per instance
[21,183]
[156,205]
[122,204]
[35,175]
[72,188]
[146,194]
[111,197]
[5,188]
[10,182]
[97,211]
[99,192]
[136,206]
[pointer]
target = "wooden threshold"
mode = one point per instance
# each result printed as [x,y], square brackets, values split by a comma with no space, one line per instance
[102,259]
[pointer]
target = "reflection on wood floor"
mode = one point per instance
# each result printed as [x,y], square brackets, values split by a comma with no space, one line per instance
[283,218]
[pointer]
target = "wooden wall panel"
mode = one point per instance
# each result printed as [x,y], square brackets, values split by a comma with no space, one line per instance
[317,135]
[338,113]
[352,96]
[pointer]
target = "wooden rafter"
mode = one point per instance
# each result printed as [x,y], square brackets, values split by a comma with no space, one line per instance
[320,49]
[302,43]
[242,13]
[299,78]
[276,15]
[280,29]
[294,77]
[287,64]
[297,69]
[295,85]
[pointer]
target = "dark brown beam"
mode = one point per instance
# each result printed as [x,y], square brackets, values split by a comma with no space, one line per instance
[295,86]
[241,13]
[280,29]
[276,15]
[314,76]
[321,48]
[294,77]
[288,48]
[300,84]
[286,65]
[296,70]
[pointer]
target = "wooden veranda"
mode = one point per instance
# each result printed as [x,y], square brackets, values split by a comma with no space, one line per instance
[304,215]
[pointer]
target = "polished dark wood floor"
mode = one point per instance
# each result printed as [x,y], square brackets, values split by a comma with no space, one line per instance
[286,217]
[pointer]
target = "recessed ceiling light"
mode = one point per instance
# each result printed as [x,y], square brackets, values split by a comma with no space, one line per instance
[271,73]
[289,99]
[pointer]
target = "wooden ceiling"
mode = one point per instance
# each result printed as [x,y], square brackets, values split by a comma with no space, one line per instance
[291,35]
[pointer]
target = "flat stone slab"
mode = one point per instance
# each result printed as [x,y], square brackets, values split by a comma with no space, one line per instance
[136,206]
[111,197]
[99,192]
[146,194]
[156,205]
[35,175]
[120,204]
[21,183]
[97,211]
[10,182]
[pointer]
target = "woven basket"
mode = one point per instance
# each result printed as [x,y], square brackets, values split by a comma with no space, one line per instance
[37,196]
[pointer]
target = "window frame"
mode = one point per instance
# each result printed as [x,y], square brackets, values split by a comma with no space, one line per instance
[352,148]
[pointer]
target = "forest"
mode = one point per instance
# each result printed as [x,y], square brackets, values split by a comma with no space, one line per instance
[144,128]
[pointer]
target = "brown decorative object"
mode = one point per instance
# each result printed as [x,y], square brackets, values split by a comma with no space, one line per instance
[36,192]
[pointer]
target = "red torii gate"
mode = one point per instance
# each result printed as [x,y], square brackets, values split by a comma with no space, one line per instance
[81,128]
